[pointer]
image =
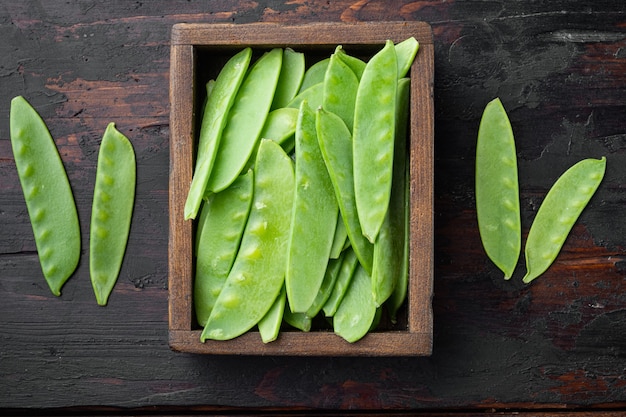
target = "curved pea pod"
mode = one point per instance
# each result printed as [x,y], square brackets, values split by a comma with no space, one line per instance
[406,52]
[373,139]
[313,95]
[246,119]
[336,146]
[258,273]
[290,78]
[558,213]
[340,239]
[389,247]
[314,217]
[497,189]
[225,215]
[215,112]
[269,325]
[47,193]
[112,210]
[357,311]
[348,265]
[340,87]
[356,65]
[330,277]
[314,74]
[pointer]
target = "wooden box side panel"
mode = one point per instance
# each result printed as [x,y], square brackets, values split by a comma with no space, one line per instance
[186,38]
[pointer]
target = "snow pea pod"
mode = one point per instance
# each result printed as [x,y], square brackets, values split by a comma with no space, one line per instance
[280,126]
[246,119]
[269,325]
[373,139]
[314,217]
[290,78]
[112,210]
[314,74]
[225,215]
[389,247]
[47,193]
[406,52]
[340,239]
[356,313]
[497,189]
[330,277]
[349,262]
[313,95]
[356,65]
[336,146]
[340,87]
[558,213]
[218,103]
[258,273]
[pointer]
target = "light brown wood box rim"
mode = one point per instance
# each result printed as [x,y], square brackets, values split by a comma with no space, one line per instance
[185,38]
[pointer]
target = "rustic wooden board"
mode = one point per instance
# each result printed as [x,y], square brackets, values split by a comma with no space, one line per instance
[189,41]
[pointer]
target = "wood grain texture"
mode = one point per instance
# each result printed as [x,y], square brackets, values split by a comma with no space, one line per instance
[556,346]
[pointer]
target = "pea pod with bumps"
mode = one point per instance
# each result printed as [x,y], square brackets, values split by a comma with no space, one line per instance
[48,195]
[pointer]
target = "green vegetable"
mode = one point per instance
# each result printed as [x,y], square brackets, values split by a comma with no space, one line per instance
[314,217]
[314,74]
[340,87]
[373,139]
[290,78]
[357,311]
[336,146]
[218,103]
[405,52]
[246,119]
[356,65]
[558,213]
[330,277]
[269,325]
[225,215]
[497,189]
[112,210]
[47,193]
[313,95]
[348,264]
[258,273]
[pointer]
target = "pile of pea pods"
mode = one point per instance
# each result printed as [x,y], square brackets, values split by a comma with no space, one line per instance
[299,193]
[498,201]
[52,209]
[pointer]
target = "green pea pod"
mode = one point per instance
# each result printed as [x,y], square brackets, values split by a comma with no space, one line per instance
[215,112]
[357,311]
[373,139]
[313,95]
[406,52]
[389,247]
[497,189]
[356,65]
[330,277]
[298,320]
[269,325]
[558,213]
[290,78]
[47,193]
[340,87]
[112,210]
[348,264]
[314,74]
[258,273]
[280,126]
[246,119]
[225,215]
[336,146]
[314,217]
[339,241]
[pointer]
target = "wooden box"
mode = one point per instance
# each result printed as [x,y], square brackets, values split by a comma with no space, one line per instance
[198,50]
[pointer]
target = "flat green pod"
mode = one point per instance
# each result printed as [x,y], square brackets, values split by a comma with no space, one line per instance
[330,277]
[224,216]
[47,194]
[340,88]
[290,78]
[112,210]
[258,273]
[348,265]
[357,311]
[314,217]
[406,52]
[356,65]
[314,74]
[558,213]
[497,189]
[373,139]
[313,95]
[220,97]
[269,325]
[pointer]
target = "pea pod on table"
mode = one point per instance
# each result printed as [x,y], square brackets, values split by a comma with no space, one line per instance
[47,193]
[558,213]
[258,273]
[112,209]
[373,139]
[497,189]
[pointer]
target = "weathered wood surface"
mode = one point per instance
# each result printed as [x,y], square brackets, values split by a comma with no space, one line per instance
[559,68]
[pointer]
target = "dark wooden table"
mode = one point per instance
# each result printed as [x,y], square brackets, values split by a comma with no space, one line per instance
[557,345]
